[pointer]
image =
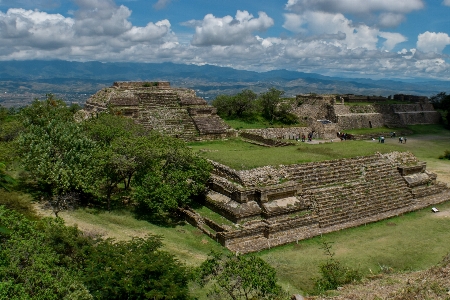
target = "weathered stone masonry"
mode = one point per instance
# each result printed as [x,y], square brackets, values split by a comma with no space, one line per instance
[276,205]
[173,111]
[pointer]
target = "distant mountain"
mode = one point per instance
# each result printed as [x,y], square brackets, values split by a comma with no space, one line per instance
[76,81]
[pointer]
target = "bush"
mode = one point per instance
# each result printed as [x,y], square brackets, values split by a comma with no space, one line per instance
[446,155]
[333,273]
[19,203]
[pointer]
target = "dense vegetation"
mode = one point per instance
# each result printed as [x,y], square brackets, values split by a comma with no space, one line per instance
[249,107]
[100,162]
[104,160]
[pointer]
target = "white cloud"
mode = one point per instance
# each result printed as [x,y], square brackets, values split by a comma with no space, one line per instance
[229,30]
[383,13]
[387,20]
[355,6]
[432,41]
[392,39]
[161,4]
[446,2]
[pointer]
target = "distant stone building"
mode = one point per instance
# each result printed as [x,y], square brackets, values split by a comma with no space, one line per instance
[177,112]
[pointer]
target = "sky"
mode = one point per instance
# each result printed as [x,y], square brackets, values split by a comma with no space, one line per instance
[404,39]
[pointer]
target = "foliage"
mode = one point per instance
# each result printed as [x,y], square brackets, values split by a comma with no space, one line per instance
[333,273]
[19,203]
[239,277]
[47,260]
[441,101]
[135,269]
[248,106]
[55,151]
[269,102]
[121,154]
[238,106]
[33,268]
[175,175]
[5,179]
[446,155]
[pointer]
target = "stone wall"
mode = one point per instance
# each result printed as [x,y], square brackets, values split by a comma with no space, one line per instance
[278,205]
[379,115]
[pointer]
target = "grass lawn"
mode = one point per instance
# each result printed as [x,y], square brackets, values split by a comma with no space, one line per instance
[240,155]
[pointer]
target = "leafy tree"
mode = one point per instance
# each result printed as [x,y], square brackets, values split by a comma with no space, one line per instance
[174,176]
[55,150]
[442,101]
[244,103]
[224,105]
[240,277]
[135,269]
[34,264]
[269,102]
[121,154]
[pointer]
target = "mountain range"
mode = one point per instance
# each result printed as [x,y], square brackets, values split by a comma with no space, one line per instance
[21,81]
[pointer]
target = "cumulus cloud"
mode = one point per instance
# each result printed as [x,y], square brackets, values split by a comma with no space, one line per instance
[432,41]
[98,25]
[229,30]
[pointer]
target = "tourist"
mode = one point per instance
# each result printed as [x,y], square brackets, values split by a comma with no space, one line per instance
[400,140]
[382,139]
[404,139]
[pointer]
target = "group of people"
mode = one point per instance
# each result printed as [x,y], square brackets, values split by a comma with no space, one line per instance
[344,136]
[401,140]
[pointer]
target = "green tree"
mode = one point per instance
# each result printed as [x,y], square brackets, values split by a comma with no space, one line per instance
[121,141]
[244,103]
[35,264]
[441,101]
[5,179]
[135,269]
[55,150]
[269,102]
[240,277]
[174,175]
[224,105]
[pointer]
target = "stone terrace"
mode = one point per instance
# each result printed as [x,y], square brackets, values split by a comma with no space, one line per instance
[276,205]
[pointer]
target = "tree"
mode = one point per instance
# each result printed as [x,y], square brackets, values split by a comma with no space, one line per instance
[121,155]
[37,259]
[173,177]
[224,106]
[244,103]
[5,179]
[55,150]
[240,277]
[269,102]
[441,101]
[135,269]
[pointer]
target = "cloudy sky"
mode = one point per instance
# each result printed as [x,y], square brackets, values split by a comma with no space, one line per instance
[352,38]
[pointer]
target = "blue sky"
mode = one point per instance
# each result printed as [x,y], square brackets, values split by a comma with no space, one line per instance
[354,38]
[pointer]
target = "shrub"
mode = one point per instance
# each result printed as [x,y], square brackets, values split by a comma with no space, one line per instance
[333,273]
[446,155]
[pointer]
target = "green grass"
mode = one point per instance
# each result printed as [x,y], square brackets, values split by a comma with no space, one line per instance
[413,241]
[206,212]
[240,155]
[256,123]
[186,242]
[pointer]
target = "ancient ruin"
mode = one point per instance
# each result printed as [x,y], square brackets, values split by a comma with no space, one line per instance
[176,112]
[275,205]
